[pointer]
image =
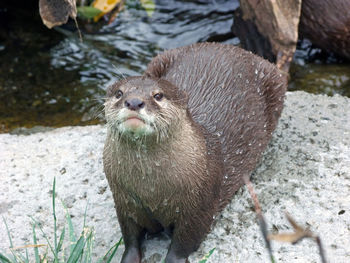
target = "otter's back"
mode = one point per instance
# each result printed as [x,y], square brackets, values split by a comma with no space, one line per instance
[233,94]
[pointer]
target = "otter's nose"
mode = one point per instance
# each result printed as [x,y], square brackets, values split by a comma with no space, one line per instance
[134,104]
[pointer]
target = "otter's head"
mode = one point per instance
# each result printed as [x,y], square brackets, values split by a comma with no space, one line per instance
[139,108]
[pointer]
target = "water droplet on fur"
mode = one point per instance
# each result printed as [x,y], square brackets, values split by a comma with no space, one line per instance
[258,90]
[225,176]
[239,75]
[233,169]
[165,202]
[262,75]
[256,72]
[157,163]
[250,144]
[177,210]
[218,134]
[265,125]
[247,81]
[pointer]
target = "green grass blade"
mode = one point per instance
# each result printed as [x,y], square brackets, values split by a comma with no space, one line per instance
[4,259]
[89,242]
[111,252]
[77,250]
[72,237]
[54,213]
[27,257]
[89,247]
[205,258]
[85,214]
[36,250]
[47,240]
[60,243]
[10,239]
[17,256]
[114,250]
[8,232]
[44,257]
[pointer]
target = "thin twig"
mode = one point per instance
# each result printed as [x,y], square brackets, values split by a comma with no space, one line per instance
[261,219]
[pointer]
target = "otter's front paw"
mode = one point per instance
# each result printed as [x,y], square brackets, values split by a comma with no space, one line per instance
[131,255]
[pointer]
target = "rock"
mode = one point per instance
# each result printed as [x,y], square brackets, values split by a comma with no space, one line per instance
[56,12]
[305,171]
[269,29]
[327,24]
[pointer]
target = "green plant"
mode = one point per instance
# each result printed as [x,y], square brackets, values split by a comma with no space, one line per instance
[80,249]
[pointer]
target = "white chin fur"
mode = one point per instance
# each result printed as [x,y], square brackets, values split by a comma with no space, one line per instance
[138,129]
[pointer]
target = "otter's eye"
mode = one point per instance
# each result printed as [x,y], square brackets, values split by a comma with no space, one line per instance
[158,96]
[119,94]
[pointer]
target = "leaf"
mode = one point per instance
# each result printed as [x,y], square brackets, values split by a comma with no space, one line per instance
[114,250]
[88,12]
[110,252]
[298,234]
[4,259]
[205,258]
[290,238]
[77,250]
[54,213]
[105,6]
[36,250]
[60,243]
[27,257]
[8,232]
[72,237]
[149,6]
[47,239]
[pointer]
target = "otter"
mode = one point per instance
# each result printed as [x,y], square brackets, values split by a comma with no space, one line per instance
[181,137]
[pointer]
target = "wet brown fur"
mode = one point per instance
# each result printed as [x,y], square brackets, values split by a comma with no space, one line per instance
[225,103]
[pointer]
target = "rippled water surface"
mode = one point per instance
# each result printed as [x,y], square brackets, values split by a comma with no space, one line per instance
[51,78]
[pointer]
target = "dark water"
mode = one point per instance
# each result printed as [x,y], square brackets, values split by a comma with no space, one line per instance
[319,72]
[50,78]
